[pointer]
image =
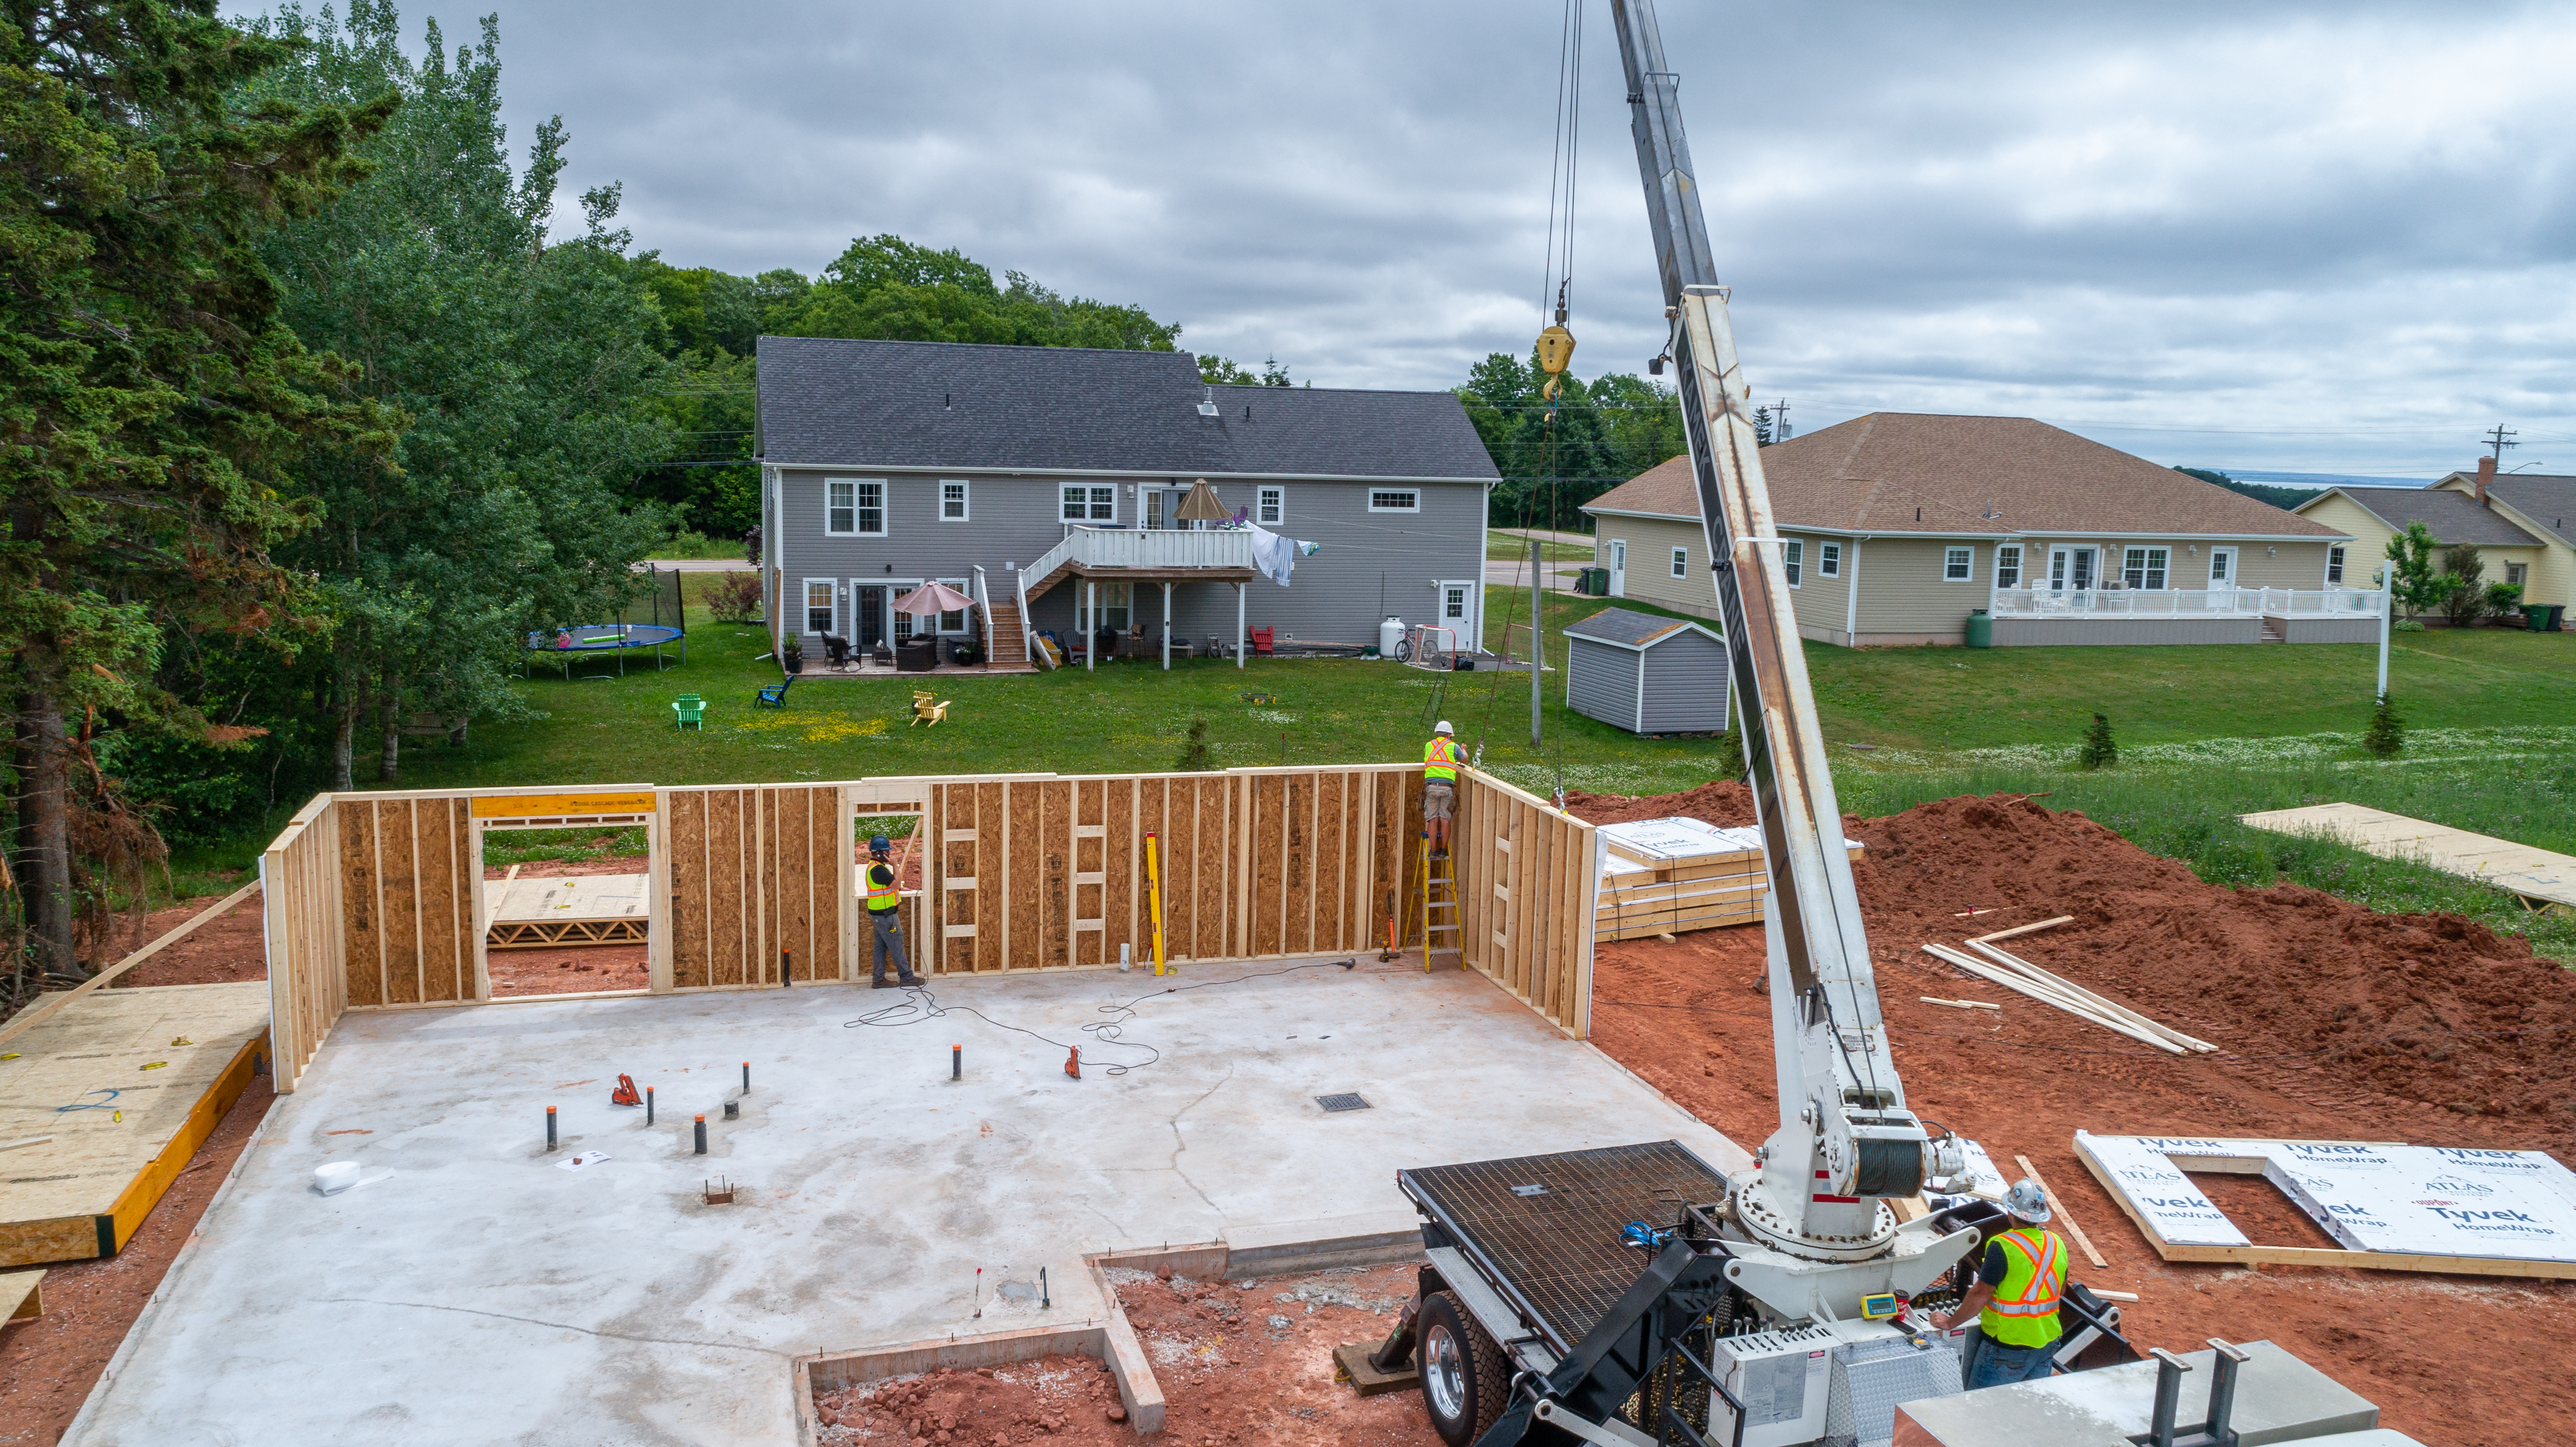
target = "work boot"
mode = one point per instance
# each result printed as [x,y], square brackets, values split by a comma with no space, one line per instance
[912,980]
[880,983]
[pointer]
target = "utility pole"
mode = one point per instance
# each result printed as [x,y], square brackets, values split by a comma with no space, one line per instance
[1538,640]
[1780,420]
[2498,440]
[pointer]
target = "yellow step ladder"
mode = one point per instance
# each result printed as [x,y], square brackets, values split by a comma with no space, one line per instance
[1429,900]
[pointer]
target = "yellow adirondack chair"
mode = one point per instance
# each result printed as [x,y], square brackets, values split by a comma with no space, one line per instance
[925,711]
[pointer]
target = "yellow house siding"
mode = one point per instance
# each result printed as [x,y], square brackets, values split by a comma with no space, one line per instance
[1904,598]
[1649,576]
[2273,565]
[1822,603]
[2553,563]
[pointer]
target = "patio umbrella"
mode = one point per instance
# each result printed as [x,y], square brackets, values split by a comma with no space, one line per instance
[932,598]
[1202,505]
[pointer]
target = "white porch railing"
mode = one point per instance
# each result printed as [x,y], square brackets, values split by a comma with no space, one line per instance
[1138,548]
[2189,603]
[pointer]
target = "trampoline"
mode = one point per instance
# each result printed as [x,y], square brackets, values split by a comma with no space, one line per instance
[617,638]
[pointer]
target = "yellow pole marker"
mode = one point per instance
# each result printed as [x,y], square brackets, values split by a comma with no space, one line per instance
[1154,897]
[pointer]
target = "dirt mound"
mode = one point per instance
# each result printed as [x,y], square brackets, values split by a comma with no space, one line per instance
[1725,802]
[1060,1398]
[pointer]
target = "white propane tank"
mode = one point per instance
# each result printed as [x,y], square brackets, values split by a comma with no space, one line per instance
[1389,634]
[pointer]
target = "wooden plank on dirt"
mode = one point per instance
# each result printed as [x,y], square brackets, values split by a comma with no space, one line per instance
[2534,874]
[2062,1216]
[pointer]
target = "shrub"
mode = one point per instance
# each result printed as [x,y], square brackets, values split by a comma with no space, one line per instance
[2464,601]
[2099,751]
[735,598]
[2386,735]
[1195,758]
[2503,598]
[751,546]
[2405,625]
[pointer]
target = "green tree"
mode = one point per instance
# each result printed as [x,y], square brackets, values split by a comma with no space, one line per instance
[2465,601]
[2100,750]
[1604,433]
[885,288]
[2411,579]
[531,366]
[151,397]
[2386,735]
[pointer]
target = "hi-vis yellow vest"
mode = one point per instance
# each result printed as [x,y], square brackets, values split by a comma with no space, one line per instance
[2024,1311]
[1440,760]
[886,896]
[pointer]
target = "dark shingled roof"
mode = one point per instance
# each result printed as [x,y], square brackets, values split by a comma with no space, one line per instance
[1634,630]
[2449,517]
[827,402]
[2548,499]
[1908,472]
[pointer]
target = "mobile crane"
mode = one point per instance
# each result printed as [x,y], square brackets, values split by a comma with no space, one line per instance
[1635,1293]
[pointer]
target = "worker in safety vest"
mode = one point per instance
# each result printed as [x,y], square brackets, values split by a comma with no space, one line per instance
[885,902]
[2015,1298]
[1439,787]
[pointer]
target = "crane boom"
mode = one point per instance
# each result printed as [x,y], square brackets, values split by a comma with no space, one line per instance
[1846,1141]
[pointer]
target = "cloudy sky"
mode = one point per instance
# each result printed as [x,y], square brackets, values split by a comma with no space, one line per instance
[2331,238]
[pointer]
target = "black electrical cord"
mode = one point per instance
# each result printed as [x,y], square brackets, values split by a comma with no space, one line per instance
[921,1006]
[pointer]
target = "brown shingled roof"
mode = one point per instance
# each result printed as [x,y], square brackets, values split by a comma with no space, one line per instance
[1911,472]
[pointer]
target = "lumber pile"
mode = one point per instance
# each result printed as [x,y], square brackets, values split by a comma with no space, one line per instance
[1994,963]
[1667,876]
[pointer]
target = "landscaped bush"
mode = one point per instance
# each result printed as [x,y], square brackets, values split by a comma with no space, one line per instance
[735,598]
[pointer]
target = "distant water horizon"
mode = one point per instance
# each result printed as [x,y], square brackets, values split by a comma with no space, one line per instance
[2321,480]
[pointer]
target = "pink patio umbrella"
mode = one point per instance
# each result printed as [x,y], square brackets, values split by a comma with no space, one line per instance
[933,598]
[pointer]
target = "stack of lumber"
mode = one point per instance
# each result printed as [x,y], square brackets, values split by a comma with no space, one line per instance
[1992,962]
[1665,876]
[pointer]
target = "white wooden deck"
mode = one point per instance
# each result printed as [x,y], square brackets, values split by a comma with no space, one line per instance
[2539,876]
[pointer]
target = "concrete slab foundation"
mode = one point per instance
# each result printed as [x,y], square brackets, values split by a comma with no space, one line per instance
[477,1293]
[2279,1398]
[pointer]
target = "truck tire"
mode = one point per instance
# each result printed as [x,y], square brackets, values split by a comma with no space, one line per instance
[1464,1376]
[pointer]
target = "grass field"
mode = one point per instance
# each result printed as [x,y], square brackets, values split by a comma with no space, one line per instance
[2208,733]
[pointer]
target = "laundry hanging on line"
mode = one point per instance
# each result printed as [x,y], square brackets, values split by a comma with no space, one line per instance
[1277,556]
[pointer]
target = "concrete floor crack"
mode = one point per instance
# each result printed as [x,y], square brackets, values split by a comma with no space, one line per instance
[1179,1145]
[667,1341]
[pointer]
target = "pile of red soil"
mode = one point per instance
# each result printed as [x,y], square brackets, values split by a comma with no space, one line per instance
[1252,1361]
[1067,1399]
[1724,802]
[226,948]
[2333,1023]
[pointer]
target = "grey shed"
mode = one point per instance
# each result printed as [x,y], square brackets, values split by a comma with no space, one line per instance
[1646,674]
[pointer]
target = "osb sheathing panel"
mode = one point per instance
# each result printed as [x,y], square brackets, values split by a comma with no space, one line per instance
[406,905]
[755,876]
[688,851]
[361,928]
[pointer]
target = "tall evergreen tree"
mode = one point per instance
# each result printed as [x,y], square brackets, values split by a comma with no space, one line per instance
[152,400]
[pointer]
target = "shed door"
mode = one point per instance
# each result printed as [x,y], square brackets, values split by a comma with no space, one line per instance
[1618,567]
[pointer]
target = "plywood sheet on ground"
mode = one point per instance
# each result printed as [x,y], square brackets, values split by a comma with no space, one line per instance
[110,1054]
[2532,873]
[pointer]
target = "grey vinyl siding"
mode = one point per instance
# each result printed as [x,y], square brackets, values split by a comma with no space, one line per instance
[2330,630]
[1685,685]
[2042,632]
[1335,595]
[1601,682]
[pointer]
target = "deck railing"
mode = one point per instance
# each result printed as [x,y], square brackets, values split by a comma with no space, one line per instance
[1140,548]
[2189,603]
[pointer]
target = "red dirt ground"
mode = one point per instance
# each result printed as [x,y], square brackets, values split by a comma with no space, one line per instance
[2333,1023]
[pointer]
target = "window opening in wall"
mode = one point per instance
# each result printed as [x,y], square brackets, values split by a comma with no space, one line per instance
[1387,499]
[952,501]
[2222,567]
[2008,567]
[2144,568]
[841,507]
[1793,560]
[1090,504]
[2517,574]
[1274,506]
[819,612]
[1453,603]
[1958,565]
[1829,560]
[1117,603]
[954,622]
[1681,562]
[2334,566]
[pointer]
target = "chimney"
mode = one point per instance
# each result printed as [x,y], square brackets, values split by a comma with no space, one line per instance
[2486,474]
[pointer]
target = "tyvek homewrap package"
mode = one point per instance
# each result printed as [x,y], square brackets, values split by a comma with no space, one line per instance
[2431,1200]
[2158,1191]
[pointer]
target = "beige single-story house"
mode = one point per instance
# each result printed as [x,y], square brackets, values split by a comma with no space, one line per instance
[1897,526]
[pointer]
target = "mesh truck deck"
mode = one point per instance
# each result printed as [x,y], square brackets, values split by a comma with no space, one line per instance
[1545,1229]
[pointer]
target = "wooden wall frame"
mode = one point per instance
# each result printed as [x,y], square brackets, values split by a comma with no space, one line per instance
[1020,872]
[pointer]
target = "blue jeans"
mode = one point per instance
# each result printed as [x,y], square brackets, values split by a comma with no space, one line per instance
[1991,1363]
[888,945]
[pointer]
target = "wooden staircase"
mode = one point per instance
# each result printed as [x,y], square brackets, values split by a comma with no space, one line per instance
[2275,630]
[1005,636]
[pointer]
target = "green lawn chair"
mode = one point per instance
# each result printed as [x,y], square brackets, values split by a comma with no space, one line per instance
[689,712]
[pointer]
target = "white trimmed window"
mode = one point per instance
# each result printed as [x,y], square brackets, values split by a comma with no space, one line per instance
[1829,560]
[820,616]
[2144,568]
[854,507]
[1395,499]
[1958,565]
[1793,560]
[1681,562]
[1274,507]
[1085,504]
[2008,566]
[952,500]
[2334,567]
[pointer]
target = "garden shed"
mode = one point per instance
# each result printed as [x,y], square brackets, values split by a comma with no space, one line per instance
[1646,674]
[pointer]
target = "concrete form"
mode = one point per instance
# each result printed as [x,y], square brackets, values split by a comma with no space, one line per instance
[479,1293]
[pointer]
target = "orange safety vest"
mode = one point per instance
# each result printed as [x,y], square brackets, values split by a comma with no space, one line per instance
[2024,1311]
[883,894]
[1440,760]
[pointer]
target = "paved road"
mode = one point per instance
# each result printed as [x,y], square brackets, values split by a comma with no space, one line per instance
[1516,575]
[1571,540]
[699,565]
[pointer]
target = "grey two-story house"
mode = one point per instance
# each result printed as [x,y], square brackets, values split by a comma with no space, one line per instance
[1046,482]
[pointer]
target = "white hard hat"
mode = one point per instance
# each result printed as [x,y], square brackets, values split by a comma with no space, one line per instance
[1442,727]
[2026,1200]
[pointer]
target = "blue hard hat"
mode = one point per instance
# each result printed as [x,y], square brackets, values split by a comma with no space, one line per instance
[879,844]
